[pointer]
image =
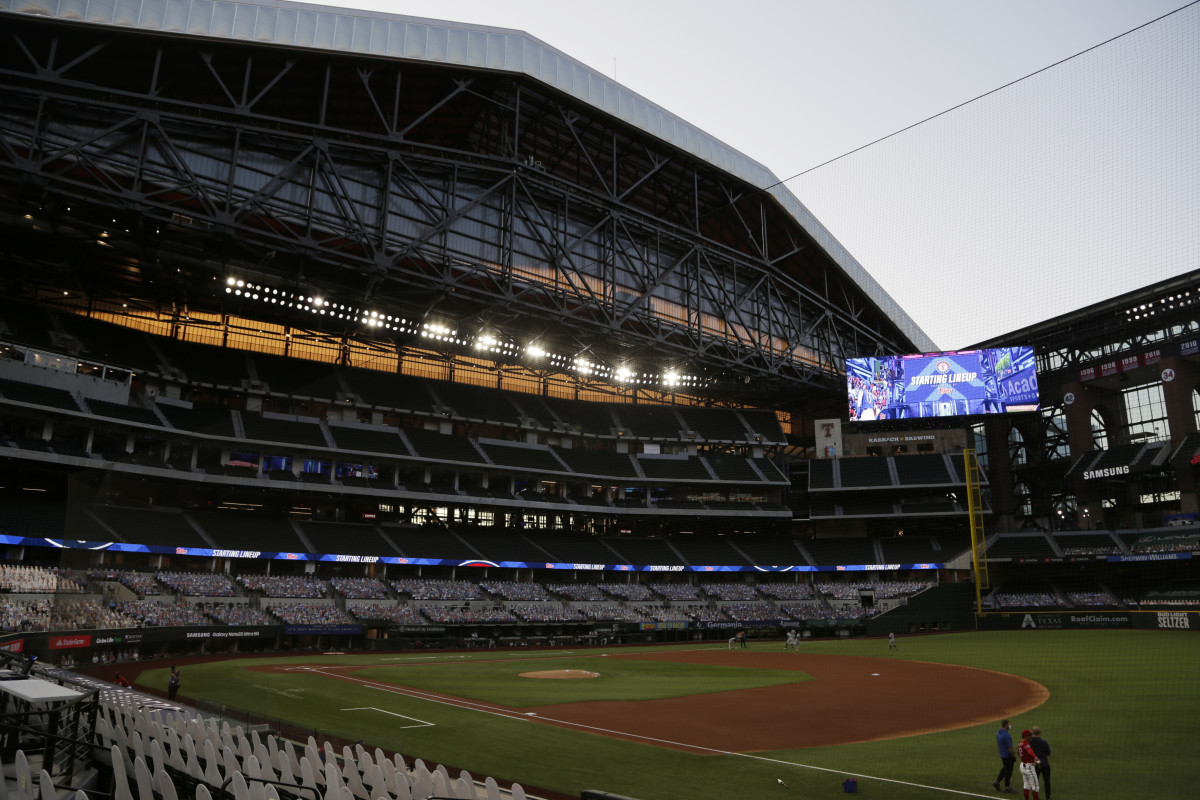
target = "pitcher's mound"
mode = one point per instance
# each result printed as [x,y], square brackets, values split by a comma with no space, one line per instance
[561,674]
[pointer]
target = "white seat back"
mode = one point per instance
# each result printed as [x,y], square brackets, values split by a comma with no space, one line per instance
[121,790]
[143,780]
[441,788]
[45,786]
[165,786]
[212,764]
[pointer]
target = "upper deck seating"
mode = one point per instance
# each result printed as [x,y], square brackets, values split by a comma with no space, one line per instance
[298,377]
[242,530]
[593,419]
[649,422]
[826,552]
[496,544]
[24,515]
[922,469]
[476,402]
[714,424]
[441,446]
[531,408]
[764,424]
[428,542]
[391,390]
[820,473]
[683,469]
[103,408]
[865,472]
[26,324]
[354,439]
[769,470]
[644,551]
[161,527]
[576,548]
[111,344]
[1021,546]
[707,551]
[771,549]
[208,364]
[865,504]
[527,458]
[34,394]
[604,463]
[209,420]
[909,550]
[927,505]
[732,469]
[267,429]
[345,538]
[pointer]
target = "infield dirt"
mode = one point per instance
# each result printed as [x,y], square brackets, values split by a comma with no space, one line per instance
[850,699]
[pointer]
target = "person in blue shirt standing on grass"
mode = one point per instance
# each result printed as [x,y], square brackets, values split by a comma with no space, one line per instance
[1008,756]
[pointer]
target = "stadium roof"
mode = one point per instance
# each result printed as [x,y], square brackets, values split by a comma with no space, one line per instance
[297,25]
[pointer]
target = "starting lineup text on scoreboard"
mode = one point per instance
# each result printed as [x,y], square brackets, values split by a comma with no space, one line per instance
[961,383]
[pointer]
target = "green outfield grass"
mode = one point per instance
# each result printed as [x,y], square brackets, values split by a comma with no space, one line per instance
[1123,718]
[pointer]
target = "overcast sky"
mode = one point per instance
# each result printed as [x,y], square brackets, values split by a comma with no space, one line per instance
[1075,185]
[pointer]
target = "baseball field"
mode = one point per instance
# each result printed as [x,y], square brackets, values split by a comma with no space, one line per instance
[1120,709]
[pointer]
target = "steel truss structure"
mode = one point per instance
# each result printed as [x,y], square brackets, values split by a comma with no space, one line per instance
[142,164]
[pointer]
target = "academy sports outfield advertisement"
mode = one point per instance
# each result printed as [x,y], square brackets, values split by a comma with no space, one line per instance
[1089,620]
[209,552]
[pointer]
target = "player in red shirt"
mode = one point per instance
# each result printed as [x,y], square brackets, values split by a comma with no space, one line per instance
[1029,762]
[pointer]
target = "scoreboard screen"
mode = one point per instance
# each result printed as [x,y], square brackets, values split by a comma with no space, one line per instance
[997,380]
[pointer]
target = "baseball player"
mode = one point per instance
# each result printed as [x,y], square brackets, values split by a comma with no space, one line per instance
[1029,765]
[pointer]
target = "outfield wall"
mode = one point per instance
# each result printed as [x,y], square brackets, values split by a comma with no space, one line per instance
[940,608]
[1088,620]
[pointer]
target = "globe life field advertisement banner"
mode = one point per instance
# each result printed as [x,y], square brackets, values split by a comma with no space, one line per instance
[998,380]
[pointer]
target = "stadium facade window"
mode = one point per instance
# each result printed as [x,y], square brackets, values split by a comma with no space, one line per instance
[315,467]
[237,459]
[277,463]
[439,515]
[1017,454]
[1146,411]
[1099,431]
[1022,500]
[979,442]
[1057,446]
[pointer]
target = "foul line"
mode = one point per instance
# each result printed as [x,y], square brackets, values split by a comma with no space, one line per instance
[423,724]
[500,711]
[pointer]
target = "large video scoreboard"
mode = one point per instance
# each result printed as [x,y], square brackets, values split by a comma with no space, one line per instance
[961,383]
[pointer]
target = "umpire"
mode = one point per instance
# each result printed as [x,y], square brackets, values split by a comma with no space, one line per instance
[1042,749]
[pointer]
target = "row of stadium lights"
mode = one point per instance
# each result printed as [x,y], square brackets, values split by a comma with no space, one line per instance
[440,333]
[1147,310]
